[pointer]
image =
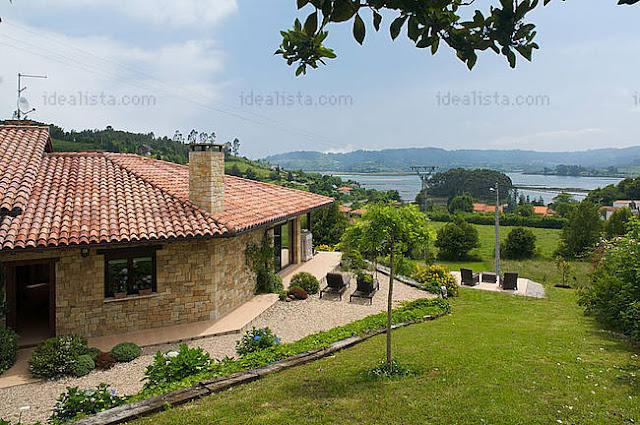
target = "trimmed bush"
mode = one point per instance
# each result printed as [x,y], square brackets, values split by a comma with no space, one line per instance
[83,366]
[105,361]
[174,366]
[433,277]
[306,281]
[126,352]
[455,240]
[547,222]
[75,403]
[8,348]
[257,339]
[520,244]
[56,357]
[94,352]
[298,293]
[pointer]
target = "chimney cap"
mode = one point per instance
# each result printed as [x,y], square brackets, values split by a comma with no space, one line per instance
[206,147]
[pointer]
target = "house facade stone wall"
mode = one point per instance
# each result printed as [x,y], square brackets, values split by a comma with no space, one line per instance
[196,280]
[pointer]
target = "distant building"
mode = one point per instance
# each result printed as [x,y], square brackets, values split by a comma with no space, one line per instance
[607,212]
[486,208]
[542,210]
[634,206]
[345,190]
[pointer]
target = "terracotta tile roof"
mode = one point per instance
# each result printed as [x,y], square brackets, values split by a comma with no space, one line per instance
[20,151]
[93,198]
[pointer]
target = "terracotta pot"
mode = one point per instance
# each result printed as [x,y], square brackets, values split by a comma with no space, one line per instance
[146,291]
[119,295]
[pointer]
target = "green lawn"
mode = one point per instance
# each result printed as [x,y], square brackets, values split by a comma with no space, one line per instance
[541,269]
[497,359]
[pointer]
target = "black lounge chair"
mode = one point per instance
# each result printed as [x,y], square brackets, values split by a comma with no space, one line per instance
[337,283]
[365,290]
[469,278]
[510,281]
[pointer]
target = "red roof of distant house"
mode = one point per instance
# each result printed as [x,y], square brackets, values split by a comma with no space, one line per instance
[485,208]
[359,211]
[541,210]
[345,189]
[344,209]
[58,199]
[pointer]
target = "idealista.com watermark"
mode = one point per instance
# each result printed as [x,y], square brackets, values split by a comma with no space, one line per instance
[286,99]
[476,98]
[85,98]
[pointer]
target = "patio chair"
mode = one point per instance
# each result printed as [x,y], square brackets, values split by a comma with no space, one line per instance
[469,278]
[509,281]
[365,290]
[337,283]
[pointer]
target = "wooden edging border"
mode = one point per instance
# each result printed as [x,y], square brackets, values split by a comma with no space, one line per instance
[136,410]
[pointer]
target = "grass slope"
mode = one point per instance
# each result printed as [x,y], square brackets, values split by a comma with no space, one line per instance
[497,359]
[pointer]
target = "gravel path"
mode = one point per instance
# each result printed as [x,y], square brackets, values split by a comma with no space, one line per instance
[290,321]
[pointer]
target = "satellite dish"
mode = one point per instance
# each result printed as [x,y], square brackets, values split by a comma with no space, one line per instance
[23,105]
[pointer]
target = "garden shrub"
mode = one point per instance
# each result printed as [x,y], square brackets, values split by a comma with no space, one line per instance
[56,357]
[105,361]
[173,366]
[75,403]
[298,293]
[126,352]
[256,339]
[433,277]
[582,232]
[268,282]
[94,352]
[520,244]
[455,240]
[83,366]
[306,281]
[617,223]
[613,297]
[363,277]
[546,222]
[260,259]
[8,348]
[352,260]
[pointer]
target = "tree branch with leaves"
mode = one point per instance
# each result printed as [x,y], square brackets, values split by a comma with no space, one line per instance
[502,29]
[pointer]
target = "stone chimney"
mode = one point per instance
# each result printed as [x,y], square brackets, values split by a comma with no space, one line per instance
[206,176]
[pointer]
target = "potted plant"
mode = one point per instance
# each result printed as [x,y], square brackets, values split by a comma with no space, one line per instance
[119,286]
[144,286]
[366,280]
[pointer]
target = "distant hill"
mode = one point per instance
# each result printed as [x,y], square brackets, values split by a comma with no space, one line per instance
[399,160]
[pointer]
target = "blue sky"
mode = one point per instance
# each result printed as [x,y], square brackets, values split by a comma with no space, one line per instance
[204,63]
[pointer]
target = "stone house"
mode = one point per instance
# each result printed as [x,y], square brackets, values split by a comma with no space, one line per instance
[97,243]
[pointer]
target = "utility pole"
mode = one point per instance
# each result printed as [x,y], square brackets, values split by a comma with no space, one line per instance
[497,190]
[21,101]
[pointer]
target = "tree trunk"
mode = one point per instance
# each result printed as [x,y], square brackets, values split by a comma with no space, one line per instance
[389,307]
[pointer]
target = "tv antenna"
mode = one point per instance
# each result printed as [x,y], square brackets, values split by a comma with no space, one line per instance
[23,106]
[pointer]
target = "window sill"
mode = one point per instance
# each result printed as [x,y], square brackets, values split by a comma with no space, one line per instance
[131,298]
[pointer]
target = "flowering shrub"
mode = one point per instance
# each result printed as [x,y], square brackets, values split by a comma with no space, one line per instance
[56,357]
[173,366]
[433,277]
[256,339]
[325,248]
[76,403]
[306,281]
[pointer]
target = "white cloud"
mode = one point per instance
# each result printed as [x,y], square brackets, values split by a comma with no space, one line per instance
[177,13]
[182,79]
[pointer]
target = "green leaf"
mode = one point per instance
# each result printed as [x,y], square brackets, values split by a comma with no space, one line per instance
[434,45]
[302,69]
[302,3]
[377,19]
[396,26]
[358,29]
[311,24]
[343,10]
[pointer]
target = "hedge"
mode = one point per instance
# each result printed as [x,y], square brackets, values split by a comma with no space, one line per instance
[409,311]
[548,222]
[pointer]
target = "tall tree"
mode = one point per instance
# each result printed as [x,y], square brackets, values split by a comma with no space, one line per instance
[582,232]
[502,29]
[389,231]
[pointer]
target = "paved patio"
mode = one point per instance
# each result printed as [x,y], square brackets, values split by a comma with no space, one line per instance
[526,287]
